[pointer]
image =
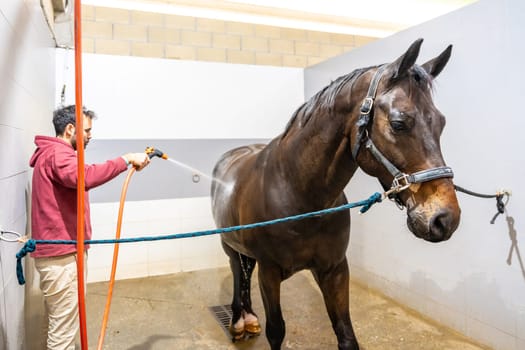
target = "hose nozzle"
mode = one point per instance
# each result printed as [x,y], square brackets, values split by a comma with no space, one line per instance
[153,152]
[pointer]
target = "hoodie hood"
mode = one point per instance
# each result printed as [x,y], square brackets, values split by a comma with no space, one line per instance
[43,145]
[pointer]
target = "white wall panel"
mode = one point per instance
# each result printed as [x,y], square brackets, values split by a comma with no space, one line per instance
[27,79]
[139,98]
[466,282]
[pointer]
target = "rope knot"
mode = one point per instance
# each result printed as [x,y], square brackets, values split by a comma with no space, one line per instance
[28,247]
[500,206]
[375,198]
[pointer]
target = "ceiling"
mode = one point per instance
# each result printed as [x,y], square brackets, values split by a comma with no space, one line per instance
[375,18]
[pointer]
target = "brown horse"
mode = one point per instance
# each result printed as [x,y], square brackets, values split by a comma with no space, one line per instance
[381,119]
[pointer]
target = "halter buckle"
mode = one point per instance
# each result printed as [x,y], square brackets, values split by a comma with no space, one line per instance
[400,183]
[367,105]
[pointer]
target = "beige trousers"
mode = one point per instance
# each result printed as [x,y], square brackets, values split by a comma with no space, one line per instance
[58,282]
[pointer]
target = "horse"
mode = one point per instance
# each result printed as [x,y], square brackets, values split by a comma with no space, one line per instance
[380,118]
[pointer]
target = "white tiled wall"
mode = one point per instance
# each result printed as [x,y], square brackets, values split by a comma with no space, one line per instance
[27,78]
[148,219]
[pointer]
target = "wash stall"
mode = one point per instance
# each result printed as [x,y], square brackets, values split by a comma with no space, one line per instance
[473,283]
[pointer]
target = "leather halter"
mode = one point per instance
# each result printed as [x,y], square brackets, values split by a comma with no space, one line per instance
[401,181]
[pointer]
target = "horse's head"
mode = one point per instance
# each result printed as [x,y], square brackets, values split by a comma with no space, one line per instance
[396,139]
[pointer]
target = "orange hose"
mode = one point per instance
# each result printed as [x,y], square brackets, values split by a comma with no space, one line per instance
[115,258]
[81,176]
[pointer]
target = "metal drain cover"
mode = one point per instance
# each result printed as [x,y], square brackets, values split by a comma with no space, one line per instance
[223,315]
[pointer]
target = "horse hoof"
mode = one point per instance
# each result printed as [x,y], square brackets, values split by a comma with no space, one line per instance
[236,333]
[253,328]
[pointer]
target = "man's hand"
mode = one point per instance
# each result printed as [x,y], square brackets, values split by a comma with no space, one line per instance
[138,160]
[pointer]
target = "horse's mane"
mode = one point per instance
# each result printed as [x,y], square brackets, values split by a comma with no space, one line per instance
[324,99]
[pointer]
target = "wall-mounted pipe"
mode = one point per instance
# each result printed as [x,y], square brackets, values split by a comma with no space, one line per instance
[81,176]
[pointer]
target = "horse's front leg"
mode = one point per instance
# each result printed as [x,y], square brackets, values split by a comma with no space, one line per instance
[334,285]
[270,286]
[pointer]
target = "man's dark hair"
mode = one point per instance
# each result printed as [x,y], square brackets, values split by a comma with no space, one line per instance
[66,115]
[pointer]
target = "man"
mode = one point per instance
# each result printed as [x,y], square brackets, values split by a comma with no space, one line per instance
[54,216]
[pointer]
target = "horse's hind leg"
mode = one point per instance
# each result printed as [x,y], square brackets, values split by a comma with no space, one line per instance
[237,321]
[251,323]
[334,285]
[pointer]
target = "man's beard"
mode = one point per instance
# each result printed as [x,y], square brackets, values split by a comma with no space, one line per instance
[74,143]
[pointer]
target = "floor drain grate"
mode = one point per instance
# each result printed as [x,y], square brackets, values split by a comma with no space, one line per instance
[223,315]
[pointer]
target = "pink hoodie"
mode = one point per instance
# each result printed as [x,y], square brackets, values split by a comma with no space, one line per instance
[54,193]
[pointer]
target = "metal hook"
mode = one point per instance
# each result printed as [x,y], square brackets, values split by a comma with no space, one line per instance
[196,178]
[17,236]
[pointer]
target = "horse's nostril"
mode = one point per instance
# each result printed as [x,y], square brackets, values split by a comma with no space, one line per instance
[441,225]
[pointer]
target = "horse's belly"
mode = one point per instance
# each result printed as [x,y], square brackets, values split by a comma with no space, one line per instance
[295,246]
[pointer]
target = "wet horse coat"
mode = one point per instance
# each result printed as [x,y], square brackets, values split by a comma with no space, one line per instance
[307,167]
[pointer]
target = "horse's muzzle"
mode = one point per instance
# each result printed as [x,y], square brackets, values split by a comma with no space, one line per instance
[438,226]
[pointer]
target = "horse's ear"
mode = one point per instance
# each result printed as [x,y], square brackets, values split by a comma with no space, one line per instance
[436,65]
[402,64]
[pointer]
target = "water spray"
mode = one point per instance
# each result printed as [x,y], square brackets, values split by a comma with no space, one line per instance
[196,174]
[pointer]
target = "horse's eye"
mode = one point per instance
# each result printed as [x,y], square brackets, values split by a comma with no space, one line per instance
[398,125]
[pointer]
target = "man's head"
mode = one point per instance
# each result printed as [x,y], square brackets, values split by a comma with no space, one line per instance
[64,120]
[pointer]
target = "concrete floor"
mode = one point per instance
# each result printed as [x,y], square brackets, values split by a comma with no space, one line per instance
[172,312]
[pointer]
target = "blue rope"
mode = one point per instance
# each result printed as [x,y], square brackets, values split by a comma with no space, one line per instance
[30,245]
